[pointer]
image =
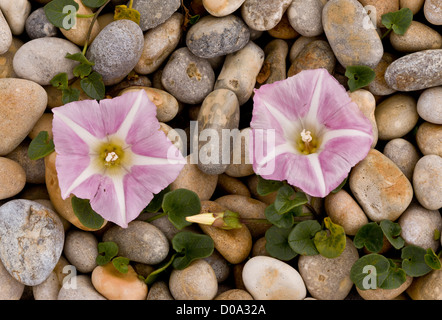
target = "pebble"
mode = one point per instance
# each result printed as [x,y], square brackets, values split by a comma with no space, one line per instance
[429,137]
[283,30]
[231,185]
[367,104]
[345,211]
[81,249]
[385,294]
[195,282]
[267,278]
[299,45]
[43,124]
[429,107]
[404,154]
[48,289]
[351,34]
[79,34]
[55,95]
[116,50]
[234,294]
[34,169]
[166,37]
[187,77]
[275,58]
[83,289]
[427,181]
[396,116]
[159,291]
[306,17]
[433,11]
[241,165]
[315,55]
[115,285]
[5,34]
[380,187]
[415,71]
[235,244]
[48,59]
[192,178]
[167,105]
[212,36]
[219,112]
[11,288]
[222,8]
[263,15]
[220,265]
[16,12]
[38,26]
[329,279]
[6,67]
[32,240]
[155,12]
[418,37]
[139,242]
[379,86]
[379,8]
[427,287]
[414,5]
[419,226]
[12,178]
[240,70]
[248,208]
[22,104]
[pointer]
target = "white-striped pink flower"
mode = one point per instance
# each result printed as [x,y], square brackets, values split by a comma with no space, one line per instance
[319,133]
[114,154]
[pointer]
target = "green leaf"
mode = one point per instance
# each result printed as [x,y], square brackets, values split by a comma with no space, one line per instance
[399,20]
[123,12]
[40,146]
[179,204]
[82,70]
[338,188]
[107,250]
[330,243]
[194,19]
[155,204]
[93,3]
[359,77]
[84,212]
[414,261]
[191,246]
[301,237]
[93,86]
[285,220]
[80,57]
[70,95]
[287,199]
[392,232]
[277,244]
[360,272]
[266,187]
[432,260]
[60,81]
[57,13]
[395,278]
[371,236]
[121,264]
[154,274]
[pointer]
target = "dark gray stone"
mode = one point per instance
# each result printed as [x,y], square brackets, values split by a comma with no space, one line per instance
[38,26]
[155,12]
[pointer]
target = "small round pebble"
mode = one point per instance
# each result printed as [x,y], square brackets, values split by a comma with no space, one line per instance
[429,106]
[306,17]
[154,12]
[12,178]
[404,154]
[263,15]
[38,26]
[429,137]
[81,249]
[427,181]
[79,288]
[11,288]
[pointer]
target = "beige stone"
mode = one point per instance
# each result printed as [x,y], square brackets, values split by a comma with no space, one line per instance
[221,8]
[12,178]
[427,287]
[381,7]
[43,124]
[6,69]
[234,294]
[414,5]
[315,55]
[231,185]
[385,294]
[429,138]
[367,104]
[418,37]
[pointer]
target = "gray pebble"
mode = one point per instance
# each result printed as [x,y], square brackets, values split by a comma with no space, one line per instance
[404,154]
[263,15]
[79,288]
[116,50]
[429,105]
[81,249]
[34,169]
[11,288]
[5,35]
[159,291]
[48,289]
[38,26]
[211,36]
[305,16]
[155,12]
[32,240]
[187,77]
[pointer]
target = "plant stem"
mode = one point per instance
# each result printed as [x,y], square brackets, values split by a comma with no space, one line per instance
[89,32]
[386,33]
[78,15]
[131,2]
[314,212]
[162,214]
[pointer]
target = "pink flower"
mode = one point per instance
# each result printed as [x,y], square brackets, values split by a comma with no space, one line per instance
[319,133]
[113,154]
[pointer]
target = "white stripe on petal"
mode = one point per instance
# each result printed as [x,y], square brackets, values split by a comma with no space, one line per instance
[311,116]
[287,126]
[117,180]
[130,118]
[139,160]
[90,170]
[314,161]
[333,134]
[281,149]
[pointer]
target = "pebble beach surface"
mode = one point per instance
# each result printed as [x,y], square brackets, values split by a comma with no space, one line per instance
[207,72]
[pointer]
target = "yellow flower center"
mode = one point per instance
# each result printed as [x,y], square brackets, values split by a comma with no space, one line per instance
[111,154]
[307,142]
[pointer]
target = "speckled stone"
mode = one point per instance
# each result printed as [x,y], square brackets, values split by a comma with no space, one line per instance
[306,17]
[11,288]
[5,34]
[221,8]
[429,137]
[427,287]
[429,107]
[418,37]
[82,290]
[263,15]
[404,154]
[81,249]
[427,181]
[433,11]
[155,12]
[38,26]
[12,178]
[34,169]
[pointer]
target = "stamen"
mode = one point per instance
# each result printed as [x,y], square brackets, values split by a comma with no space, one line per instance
[111,156]
[306,136]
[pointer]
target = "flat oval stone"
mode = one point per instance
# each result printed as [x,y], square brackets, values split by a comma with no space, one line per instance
[432,11]
[380,187]
[159,291]
[367,104]
[219,113]
[212,36]
[154,12]
[329,279]
[429,107]
[385,294]
[116,50]
[166,37]
[32,240]
[221,8]
[379,86]
[140,242]
[34,169]
[16,12]
[81,249]
[275,58]
[306,17]
[427,181]
[404,154]
[240,70]
[48,59]
[351,33]
[5,34]
[82,290]
[48,289]
[418,37]
[187,77]
[413,5]
[415,71]
[12,178]
[263,15]
[429,137]
[267,278]
[38,26]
